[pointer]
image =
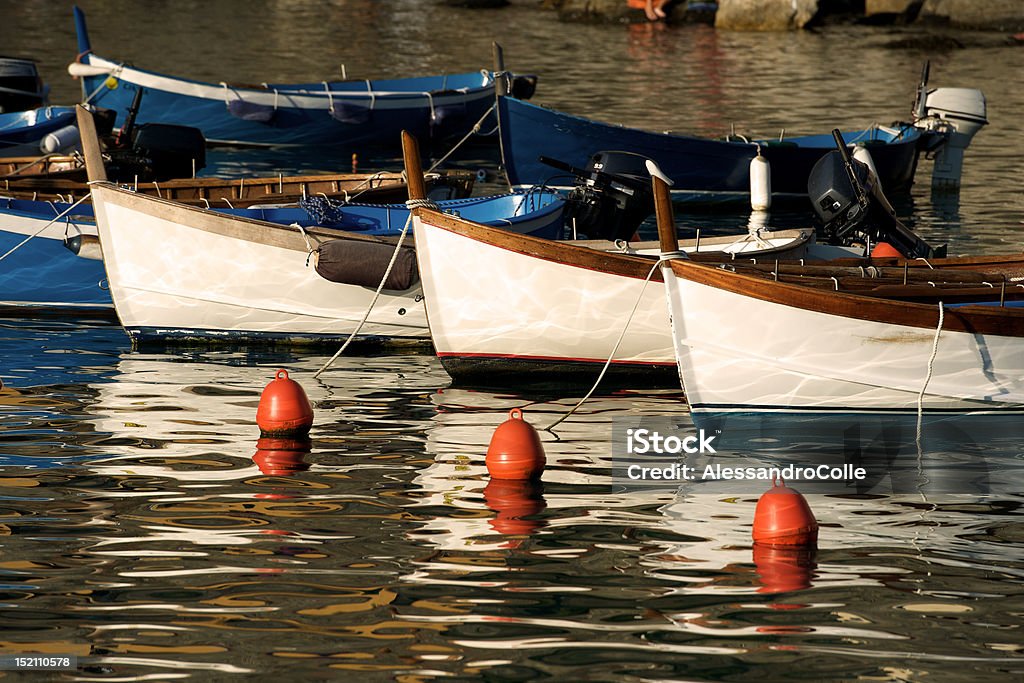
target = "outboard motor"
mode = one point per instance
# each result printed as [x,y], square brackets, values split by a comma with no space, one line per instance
[957,114]
[154,151]
[848,200]
[21,88]
[612,196]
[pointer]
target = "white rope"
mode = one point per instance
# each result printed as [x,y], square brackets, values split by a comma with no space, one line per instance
[607,363]
[928,376]
[472,131]
[40,230]
[411,204]
[309,246]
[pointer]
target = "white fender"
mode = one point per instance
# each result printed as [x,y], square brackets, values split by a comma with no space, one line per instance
[80,70]
[760,183]
[59,140]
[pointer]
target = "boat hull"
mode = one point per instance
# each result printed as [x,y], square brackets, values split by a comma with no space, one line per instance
[42,271]
[766,348]
[179,272]
[367,114]
[702,170]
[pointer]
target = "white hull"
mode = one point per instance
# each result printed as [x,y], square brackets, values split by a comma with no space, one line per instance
[183,272]
[518,308]
[737,353]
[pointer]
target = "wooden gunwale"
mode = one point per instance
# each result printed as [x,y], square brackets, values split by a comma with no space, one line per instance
[242,191]
[563,252]
[971,319]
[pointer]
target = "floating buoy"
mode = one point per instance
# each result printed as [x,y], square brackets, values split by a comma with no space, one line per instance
[885,250]
[783,517]
[281,457]
[515,451]
[760,183]
[784,569]
[284,410]
[512,500]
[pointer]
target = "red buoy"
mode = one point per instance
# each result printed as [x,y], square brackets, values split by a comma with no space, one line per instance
[783,517]
[515,451]
[885,250]
[282,457]
[284,409]
[512,500]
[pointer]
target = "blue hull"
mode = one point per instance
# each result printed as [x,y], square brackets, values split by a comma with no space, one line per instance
[20,132]
[45,272]
[703,170]
[352,115]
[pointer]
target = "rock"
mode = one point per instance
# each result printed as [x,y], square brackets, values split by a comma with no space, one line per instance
[615,11]
[872,7]
[765,15]
[1001,15]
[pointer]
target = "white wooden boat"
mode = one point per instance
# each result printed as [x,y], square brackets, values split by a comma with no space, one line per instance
[177,271]
[828,340]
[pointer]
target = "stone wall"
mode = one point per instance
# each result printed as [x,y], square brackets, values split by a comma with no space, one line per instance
[785,15]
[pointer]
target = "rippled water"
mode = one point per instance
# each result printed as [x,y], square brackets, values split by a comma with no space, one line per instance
[139,531]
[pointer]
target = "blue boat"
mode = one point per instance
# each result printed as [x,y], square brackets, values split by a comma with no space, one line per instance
[354,114]
[22,132]
[703,170]
[46,272]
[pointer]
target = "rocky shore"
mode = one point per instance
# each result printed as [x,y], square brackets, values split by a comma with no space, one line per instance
[783,15]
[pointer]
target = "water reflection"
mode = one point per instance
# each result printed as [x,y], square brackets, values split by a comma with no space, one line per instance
[385,549]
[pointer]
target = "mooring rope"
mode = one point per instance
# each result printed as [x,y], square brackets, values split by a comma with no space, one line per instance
[607,363]
[928,376]
[472,131]
[411,204]
[40,230]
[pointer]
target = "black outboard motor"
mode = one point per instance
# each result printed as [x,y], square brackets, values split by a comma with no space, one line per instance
[21,88]
[612,196]
[848,200]
[154,151]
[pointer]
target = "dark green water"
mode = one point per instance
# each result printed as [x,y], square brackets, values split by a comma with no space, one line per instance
[138,532]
